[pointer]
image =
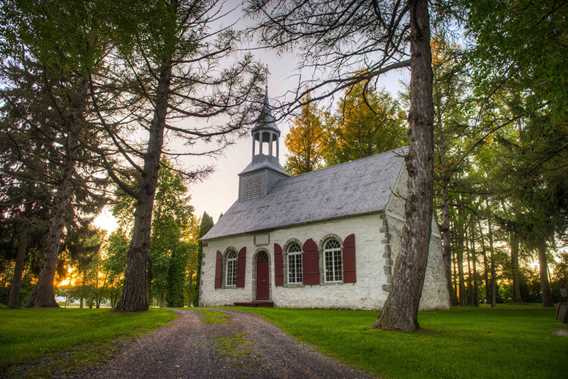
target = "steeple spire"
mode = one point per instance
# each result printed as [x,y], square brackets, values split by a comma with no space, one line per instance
[266,133]
[264,170]
[265,120]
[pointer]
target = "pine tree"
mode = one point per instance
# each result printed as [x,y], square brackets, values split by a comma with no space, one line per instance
[173,71]
[47,65]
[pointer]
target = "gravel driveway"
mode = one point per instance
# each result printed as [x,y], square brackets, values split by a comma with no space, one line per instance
[230,345]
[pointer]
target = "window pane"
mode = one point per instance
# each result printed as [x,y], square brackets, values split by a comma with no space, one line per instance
[294,261]
[333,261]
[231,269]
[291,269]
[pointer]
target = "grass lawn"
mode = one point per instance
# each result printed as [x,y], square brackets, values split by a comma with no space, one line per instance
[86,335]
[508,342]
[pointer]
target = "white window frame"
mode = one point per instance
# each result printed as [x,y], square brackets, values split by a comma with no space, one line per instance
[336,256]
[231,259]
[298,256]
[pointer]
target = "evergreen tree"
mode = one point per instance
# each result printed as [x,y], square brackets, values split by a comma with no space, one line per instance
[173,71]
[46,64]
[171,219]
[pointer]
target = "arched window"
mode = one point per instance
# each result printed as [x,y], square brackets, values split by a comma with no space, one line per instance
[231,268]
[333,264]
[294,262]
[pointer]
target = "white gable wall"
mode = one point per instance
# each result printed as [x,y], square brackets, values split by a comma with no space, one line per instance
[435,292]
[366,293]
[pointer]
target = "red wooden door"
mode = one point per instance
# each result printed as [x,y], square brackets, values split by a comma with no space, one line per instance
[262,290]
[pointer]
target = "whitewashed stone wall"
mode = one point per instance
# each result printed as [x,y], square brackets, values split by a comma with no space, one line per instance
[374,246]
[435,292]
[366,293]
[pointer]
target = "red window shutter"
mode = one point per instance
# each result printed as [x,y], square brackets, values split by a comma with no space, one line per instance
[349,269]
[311,262]
[278,266]
[241,267]
[219,270]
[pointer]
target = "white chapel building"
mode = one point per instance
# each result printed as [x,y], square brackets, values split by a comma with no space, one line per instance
[324,239]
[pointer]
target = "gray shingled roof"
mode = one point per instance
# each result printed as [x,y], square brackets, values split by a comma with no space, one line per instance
[354,188]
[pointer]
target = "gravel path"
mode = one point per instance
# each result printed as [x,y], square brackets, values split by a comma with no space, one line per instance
[237,345]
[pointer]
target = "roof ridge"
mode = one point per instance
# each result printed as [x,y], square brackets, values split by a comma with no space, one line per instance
[332,194]
[347,163]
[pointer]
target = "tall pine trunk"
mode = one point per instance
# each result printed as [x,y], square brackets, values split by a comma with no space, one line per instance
[43,294]
[543,268]
[461,251]
[446,240]
[400,310]
[455,276]
[136,288]
[515,268]
[475,295]
[493,270]
[16,284]
[469,275]
[485,266]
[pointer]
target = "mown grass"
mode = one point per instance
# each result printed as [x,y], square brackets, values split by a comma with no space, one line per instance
[507,342]
[236,346]
[66,339]
[209,316]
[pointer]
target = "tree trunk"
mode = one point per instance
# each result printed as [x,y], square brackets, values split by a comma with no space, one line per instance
[544,283]
[461,250]
[469,276]
[485,266]
[16,285]
[43,294]
[493,271]
[136,288]
[401,307]
[515,268]
[455,277]
[446,241]
[475,295]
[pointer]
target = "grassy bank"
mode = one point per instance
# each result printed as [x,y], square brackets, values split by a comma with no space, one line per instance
[507,342]
[87,335]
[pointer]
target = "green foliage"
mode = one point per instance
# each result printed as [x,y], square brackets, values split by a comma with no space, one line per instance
[461,343]
[519,57]
[114,263]
[305,140]
[176,281]
[523,42]
[29,334]
[499,148]
[367,122]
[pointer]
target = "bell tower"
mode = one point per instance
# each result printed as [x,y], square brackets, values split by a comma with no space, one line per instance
[264,170]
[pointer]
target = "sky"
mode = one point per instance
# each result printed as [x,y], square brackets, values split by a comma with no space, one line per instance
[218,191]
